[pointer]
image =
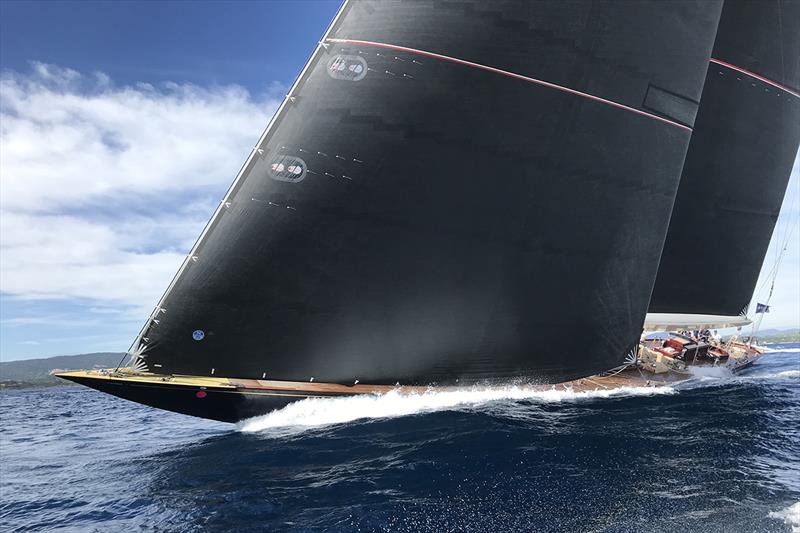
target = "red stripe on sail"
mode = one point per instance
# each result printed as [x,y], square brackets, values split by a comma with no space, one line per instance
[754,75]
[512,75]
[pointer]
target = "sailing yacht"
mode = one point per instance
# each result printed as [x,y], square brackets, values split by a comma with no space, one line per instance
[464,192]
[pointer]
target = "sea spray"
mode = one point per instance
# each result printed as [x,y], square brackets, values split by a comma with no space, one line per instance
[316,412]
[718,372]
[790,516]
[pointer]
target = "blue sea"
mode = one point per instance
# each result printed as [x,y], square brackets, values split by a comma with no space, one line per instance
[717,453]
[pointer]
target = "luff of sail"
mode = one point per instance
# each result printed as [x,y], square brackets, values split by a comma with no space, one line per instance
[744,143]
[450,192]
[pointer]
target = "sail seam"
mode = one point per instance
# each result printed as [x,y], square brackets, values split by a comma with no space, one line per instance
[510,74]
[756,76]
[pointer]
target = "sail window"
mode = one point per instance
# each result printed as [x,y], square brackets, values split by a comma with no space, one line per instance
[349,68]
[287,168]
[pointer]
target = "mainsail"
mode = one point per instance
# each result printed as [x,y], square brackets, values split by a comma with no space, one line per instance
[744,143]
[451,191]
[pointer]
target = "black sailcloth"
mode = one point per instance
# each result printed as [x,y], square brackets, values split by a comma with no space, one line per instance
[740,158]
[453,191]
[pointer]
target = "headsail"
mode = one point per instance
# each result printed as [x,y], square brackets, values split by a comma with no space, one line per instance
[744,143]
[451,191]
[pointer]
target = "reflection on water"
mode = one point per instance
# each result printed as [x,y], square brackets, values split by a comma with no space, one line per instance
[721,453]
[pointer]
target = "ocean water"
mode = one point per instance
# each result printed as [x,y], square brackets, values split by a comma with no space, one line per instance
[718,453]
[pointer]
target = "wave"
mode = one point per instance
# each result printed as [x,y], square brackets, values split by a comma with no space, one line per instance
[315,412]
[785,350]
[784,374]
[790,516]
[701,375]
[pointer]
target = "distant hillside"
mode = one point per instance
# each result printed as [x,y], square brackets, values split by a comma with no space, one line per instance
[773,335]
[36,372]
[776,335]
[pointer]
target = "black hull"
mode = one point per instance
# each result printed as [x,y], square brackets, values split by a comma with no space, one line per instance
[234,400]
[215,404]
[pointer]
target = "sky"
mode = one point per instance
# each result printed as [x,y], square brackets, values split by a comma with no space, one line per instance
[123,124]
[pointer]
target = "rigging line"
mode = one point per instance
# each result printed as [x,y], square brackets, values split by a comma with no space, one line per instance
[754,75]
[774,274]
[783,244]
[512,75]
[783,235]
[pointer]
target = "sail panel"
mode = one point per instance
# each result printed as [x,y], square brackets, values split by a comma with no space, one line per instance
[744,144]
[422,211]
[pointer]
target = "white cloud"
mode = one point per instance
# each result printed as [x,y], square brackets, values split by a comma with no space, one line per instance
[104,188]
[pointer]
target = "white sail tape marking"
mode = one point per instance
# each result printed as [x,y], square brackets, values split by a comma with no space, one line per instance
[512,75]
[754,75]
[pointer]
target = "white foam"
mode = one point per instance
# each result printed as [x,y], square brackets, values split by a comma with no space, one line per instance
[324,411]
[710,372]
[785,374]
[786,350]
[790,516]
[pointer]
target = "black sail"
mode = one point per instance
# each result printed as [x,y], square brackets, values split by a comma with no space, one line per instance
[739,162]
[453,190]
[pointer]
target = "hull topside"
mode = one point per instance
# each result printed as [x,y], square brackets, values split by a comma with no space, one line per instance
[232,400]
